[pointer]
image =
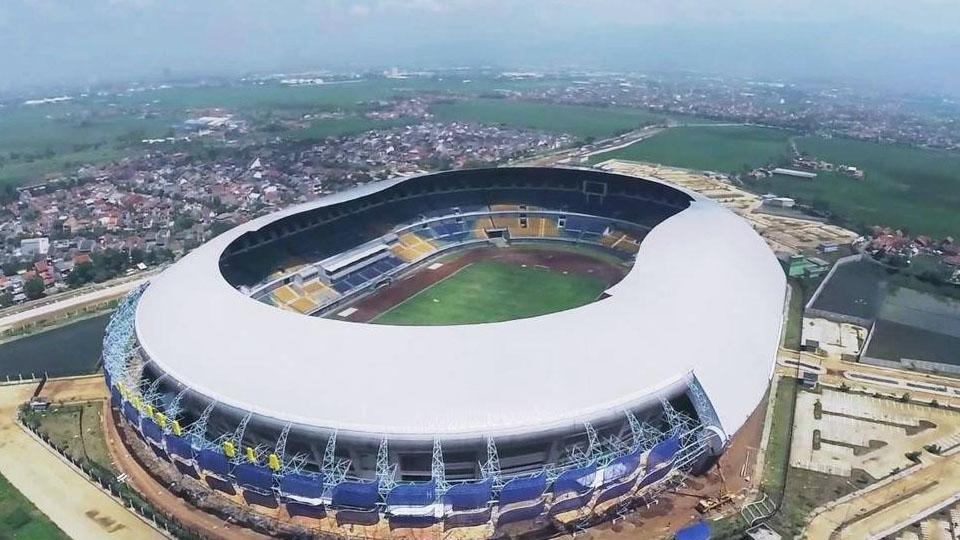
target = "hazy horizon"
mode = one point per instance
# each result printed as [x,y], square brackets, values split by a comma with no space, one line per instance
[883,43]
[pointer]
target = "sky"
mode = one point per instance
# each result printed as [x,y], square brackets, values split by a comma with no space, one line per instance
[906,45]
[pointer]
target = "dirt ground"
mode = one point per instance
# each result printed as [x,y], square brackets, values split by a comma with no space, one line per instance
[678,509]
[81,510]
[377,303]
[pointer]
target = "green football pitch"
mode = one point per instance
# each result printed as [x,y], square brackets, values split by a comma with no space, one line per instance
[491,291]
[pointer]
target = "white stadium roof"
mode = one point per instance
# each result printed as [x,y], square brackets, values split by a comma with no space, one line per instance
[704,297]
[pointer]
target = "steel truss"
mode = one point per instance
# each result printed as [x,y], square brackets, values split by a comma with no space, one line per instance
[124,363]
[491,468]
[334,469]
[703,405]
[173,410]
[438,471]
[386,471]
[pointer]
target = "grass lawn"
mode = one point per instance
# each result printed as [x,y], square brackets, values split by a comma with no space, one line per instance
[793,328]
[728,149]
[909,188]
[63,426]
[580,121]
[490,291]
[777,454]
[21,520]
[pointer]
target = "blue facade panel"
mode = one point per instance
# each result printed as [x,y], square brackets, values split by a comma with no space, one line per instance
[663,452]
[115,398]
[521,514]
[622,467]
[178,446]
[305,510]
[131,414]
[253,476]
[214,462]
[655,476]
[151,430]
[575,480]
[471,496]
[523,489]
[301,485]
[617,490]
[423,494]
[360,495]
[573,503]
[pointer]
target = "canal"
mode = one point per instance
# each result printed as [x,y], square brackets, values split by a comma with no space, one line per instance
[73,349]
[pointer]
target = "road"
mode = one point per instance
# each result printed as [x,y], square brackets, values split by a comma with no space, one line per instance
[81,510]
[51,308]
[881,509]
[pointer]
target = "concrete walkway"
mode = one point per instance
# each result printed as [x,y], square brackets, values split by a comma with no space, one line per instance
[64,495]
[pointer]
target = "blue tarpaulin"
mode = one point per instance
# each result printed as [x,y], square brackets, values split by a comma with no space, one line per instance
[151,430]
[573,503]
[253,476]
[132,414]
[622,467]
[306,510]
[470,496]
[575,480]
[617,490]
[700,531]
[421,494]
[521,514]
[301,485]
[655,476]
[214,462]
[178,446]
[663,452]
[360,495]
[523,489]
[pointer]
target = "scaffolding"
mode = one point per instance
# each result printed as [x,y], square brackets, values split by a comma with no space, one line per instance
[386,471]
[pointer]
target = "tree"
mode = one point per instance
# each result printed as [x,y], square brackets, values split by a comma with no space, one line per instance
[33,288]
[220,227]
[6,299]
[80,275]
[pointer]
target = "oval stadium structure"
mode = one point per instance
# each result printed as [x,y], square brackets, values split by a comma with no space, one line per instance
[265,363]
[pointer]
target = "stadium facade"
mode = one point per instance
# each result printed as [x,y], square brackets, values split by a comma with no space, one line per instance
[572,415]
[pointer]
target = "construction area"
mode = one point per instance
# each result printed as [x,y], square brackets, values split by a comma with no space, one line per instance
[836,432]
[878,449]
[791,235]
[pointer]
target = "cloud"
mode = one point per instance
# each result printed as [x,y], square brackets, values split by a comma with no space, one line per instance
[44,40]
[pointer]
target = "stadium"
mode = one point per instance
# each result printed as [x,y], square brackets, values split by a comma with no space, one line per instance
[511,349]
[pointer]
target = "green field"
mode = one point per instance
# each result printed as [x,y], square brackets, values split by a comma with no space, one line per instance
[38,140]
[914,189]
[491,291]
[20,519]
[727,149]
[909,188]
[78,430]
[341,95]
[581,121]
